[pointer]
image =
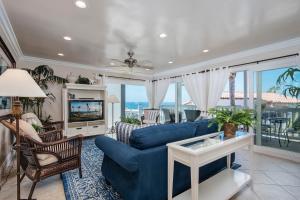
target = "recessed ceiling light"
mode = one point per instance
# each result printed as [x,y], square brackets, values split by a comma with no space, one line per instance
[112,63]
[60,54]
[170,62]
[80,4]
[205,51]
[67,38]
[147,69]
[163,35]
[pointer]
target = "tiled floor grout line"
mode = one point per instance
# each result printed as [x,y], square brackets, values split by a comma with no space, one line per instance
[288,192]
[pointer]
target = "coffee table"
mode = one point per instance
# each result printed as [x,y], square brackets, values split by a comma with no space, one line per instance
[199,151]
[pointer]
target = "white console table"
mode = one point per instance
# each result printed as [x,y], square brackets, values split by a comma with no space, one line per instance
[199,151]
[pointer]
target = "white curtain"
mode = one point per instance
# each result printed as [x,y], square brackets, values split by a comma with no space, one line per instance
[205,89]
[217,82]
[160,90]
[149,91]
[196,86]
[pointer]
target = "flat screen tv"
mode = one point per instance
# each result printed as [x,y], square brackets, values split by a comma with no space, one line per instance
[86,110]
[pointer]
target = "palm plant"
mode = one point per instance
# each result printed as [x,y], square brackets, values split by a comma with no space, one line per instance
[232,88]
[43,76]
[288,88]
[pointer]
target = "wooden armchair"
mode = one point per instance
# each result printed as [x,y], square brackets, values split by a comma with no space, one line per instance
[52,155]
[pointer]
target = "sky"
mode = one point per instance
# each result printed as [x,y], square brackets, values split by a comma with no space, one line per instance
[135,93]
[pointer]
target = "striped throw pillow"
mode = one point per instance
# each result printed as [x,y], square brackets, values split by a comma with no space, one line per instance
[124,130]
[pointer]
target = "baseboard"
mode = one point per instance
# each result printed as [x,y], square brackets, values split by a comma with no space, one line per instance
[6,167]
[279,153]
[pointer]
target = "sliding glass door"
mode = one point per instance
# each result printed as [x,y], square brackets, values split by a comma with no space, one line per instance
[278,109]
[135,101]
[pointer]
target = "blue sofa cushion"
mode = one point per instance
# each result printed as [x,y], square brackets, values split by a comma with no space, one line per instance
[153,136]
[202,127]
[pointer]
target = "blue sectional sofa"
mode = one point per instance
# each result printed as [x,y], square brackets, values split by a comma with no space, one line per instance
[139,171]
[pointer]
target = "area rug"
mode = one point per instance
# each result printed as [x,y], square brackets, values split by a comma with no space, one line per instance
[92,185]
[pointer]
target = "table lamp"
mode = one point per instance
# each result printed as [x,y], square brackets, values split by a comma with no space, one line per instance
[18,83]
[112,99]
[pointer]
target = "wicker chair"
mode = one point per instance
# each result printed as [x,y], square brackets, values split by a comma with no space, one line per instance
[67,152]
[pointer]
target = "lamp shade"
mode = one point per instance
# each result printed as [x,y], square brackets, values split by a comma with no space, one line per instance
[113,99]
[19,83]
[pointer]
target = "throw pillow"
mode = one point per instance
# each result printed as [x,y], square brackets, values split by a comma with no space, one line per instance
[124,130]
[26,129]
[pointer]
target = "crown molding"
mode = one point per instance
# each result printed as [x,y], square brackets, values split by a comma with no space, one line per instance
[9,36]
[235,57]
[81,66]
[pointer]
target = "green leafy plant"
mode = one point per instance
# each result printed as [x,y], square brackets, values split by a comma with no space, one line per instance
[232,115]
[285,81]
[37,128]
[130,120]
[83,80]
[43,76]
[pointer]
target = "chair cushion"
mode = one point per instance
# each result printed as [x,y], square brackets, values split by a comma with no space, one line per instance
[153,136]
[151,115]
[146,121]
[49,159]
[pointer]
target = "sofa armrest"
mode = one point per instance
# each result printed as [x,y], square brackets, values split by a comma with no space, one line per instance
[121,153]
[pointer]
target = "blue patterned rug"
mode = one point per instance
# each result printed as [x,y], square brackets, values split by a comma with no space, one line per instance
[92,185]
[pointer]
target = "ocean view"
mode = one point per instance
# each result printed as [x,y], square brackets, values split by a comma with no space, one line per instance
[143,105]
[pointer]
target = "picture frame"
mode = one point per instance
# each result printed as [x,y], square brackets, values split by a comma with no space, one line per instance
[6,61]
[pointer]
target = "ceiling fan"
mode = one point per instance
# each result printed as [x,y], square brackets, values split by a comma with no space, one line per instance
[131,62]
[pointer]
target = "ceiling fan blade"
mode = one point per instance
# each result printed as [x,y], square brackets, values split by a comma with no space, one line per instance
[144,67]
[117,60]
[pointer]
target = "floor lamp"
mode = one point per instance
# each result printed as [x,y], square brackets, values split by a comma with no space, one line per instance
[18,83]
[112,99]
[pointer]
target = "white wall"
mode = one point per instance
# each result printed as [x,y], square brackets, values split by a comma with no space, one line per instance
[55,108]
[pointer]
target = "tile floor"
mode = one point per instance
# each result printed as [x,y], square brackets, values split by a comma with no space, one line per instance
[274,179]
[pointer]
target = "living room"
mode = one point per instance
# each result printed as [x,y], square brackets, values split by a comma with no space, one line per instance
[149,99]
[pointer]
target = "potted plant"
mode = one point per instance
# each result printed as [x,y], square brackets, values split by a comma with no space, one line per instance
[229,119]
[130,120]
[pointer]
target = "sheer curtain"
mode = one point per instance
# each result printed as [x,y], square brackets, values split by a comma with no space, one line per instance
[160,90]
[217,82]
[205,89]
[149,91]
[196,86]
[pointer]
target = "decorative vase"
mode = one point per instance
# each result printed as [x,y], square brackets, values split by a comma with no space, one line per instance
[99,79]
[229,129]
[71,78]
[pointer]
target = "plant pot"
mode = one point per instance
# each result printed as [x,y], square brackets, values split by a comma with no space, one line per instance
[229,129]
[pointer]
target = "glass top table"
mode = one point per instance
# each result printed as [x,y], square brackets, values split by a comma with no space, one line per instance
[202,150]
[209,141]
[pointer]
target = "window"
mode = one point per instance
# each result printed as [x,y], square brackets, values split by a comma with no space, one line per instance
[135,100]
[187,103]
[168,105]
[114,89]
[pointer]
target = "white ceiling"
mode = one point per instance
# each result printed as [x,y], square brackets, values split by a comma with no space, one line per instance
[109,28]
